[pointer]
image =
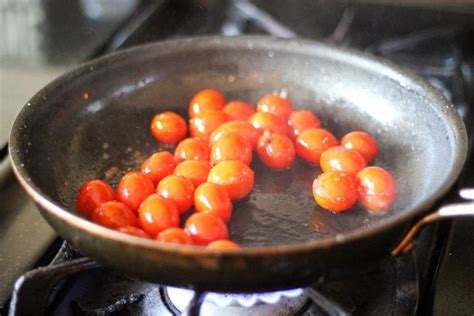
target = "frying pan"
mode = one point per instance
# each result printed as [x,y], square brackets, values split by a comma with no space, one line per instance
[93,122]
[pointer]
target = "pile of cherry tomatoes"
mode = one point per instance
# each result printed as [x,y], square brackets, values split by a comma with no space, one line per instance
[210,170]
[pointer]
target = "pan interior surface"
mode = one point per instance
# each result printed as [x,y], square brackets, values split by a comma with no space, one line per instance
[94,123]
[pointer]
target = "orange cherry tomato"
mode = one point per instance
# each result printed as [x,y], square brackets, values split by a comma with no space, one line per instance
[213,198]
[133,188]
[158,166]
[168,128]
[157,214]
[238,110]
[202,125]
[91,195]
[176,236]
[264,121]
[114,215]
[300,121]
[342,159]
[231,147]
[311,143]
[377,188]
[194,170]
[192,149]
[335,191]
[276,151]
[236,177]
[223,245]
[244,129]
[207,99]
[365,144]
[205,228]
[134,231]
[277,105]
[178,190]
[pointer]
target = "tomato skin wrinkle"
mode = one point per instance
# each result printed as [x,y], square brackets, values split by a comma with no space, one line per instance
[91,195]
[335,191]
[377,189]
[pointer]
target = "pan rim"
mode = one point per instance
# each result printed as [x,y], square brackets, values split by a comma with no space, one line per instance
[364,60]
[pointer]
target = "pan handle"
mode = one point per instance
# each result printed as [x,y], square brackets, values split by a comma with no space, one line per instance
[447,211]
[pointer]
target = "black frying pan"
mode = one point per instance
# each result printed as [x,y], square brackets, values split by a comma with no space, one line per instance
[95,119]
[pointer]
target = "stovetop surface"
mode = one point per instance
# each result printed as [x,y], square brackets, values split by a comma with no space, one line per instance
[436,44]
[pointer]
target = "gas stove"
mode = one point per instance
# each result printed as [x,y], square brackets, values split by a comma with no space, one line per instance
[53,278]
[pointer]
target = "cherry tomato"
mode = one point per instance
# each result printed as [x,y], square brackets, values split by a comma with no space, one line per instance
[238,110]
[157,214]
[244,129]
[207,99]
[205,123]
[178,190]
[158,166]
[342,159]
[176,236]
[91,195]
[276,105]
[335,191]
[300,121]
[205,228]
[365,144]
[194,170]
[114,215]
[236,177]
[168,128]
[213,198]
[311,143]
[133,188]
[134,231]
[223,245]
[231,147]
[276,151]
[264,121]
[192,149]
[377,188]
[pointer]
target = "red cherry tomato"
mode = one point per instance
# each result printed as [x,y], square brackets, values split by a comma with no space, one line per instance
[342,159]
[244,129]
[168,127]
[238,110]
[311,143]
[236,177]
[134,231]
[276,151]
[158,166]
[231,147]
[133,188]
[157,214]
[207,99]
[91,195]
[377,189]
[178,190]
[264,121]
[223,245]
[194,170]
[192,149]
[202,125]
[176,236]
[365,144]
[276,105]
[213,198]
[205,228]
[300,121]
[114,215]
[335,191]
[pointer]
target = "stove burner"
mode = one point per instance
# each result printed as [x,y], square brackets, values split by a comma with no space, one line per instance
[289,302]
